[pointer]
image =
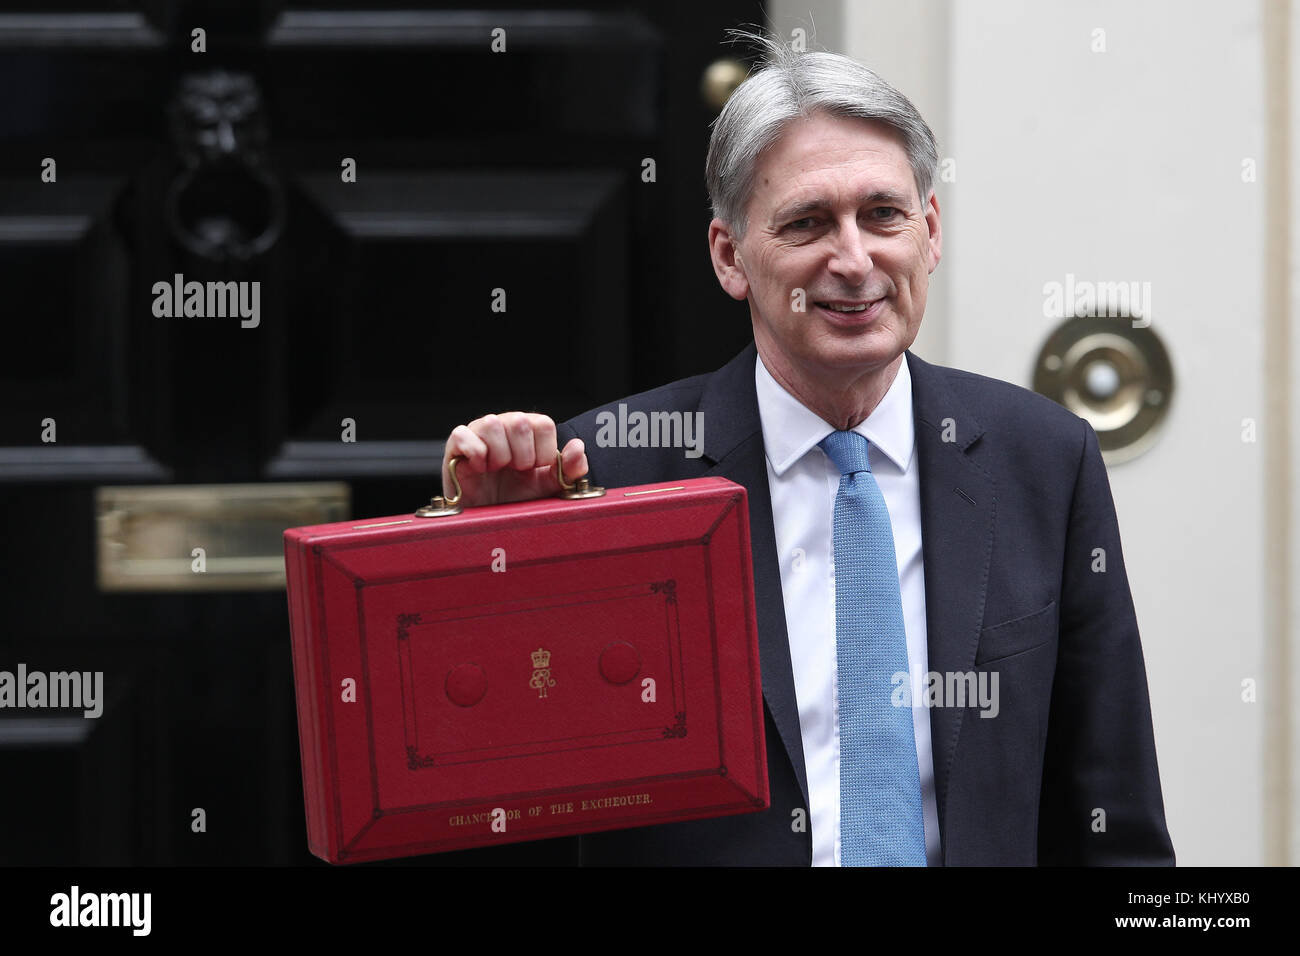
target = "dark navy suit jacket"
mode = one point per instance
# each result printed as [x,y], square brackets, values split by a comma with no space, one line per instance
[1014,507]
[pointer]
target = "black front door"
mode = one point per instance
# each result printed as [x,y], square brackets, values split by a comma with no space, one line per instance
[246,244]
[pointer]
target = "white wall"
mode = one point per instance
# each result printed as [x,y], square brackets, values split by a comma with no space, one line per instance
[1290,625]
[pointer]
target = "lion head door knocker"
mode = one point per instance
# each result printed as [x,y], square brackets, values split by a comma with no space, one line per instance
[224,205]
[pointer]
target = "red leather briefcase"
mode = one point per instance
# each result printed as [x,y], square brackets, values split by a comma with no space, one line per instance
[528,670]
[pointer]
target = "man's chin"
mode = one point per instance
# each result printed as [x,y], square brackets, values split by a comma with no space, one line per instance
[833,351]
[875,348]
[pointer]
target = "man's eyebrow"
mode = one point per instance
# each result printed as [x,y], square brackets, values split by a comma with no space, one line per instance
[800,209]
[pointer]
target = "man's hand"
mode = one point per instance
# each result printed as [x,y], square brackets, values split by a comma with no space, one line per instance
[509,457]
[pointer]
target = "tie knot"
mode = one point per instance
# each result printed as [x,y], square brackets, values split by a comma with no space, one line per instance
[848,450]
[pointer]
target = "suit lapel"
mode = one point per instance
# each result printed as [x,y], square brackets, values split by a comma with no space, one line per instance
[733,442]
[958,505]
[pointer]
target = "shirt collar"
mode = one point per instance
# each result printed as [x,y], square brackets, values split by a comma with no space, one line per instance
[790,429]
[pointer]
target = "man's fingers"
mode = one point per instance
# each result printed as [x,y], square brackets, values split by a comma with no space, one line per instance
[575,459]
[518,428]
[515,453]
[491,429]
[464,442]
[543,429]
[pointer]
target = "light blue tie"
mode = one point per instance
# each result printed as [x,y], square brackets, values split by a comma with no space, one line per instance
[881,823]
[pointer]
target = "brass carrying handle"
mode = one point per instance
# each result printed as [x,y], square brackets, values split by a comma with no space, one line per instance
[581,487]
[455,482]
[440,506]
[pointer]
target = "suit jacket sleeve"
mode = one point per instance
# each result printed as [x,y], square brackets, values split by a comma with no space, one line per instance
[1100,802]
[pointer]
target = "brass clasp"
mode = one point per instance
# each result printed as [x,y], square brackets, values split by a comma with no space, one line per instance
[440,507]
[581,487]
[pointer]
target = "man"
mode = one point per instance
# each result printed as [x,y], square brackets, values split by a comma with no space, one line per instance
[970,520]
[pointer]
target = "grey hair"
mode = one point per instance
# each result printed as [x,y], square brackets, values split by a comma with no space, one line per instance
[788,86]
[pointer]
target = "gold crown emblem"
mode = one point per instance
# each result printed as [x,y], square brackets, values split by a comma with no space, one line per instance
[541,658]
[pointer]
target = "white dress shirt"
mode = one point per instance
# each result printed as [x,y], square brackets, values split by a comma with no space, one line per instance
[803,481]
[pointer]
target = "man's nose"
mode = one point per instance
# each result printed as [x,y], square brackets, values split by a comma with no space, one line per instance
[850,257]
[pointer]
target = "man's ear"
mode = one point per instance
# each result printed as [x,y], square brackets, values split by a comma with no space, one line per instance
[727,263]
[936,230]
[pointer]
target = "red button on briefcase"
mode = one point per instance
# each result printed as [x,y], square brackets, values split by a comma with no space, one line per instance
[529,670]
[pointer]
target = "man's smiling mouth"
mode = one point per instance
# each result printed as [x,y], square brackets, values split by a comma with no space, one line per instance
[849,306]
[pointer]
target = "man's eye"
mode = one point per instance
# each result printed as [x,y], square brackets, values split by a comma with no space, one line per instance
[804,223]
[884,212]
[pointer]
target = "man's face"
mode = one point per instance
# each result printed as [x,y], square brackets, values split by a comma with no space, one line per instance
[834,212]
